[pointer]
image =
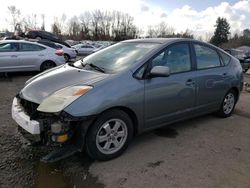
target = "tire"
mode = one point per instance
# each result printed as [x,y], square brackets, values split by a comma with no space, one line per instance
[228,104]
[66,57]
[109,136]
[47,65]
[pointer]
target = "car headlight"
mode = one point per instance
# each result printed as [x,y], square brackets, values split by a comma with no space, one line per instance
[62,98]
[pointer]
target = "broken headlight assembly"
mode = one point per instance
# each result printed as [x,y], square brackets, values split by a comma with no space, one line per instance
[62,98]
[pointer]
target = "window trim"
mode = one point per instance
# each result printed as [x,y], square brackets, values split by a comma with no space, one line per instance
[210,47]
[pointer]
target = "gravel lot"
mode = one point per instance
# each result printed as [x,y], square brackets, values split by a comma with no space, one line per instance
[202,152]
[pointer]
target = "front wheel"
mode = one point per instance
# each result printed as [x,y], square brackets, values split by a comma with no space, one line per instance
[109,136]
[228,104]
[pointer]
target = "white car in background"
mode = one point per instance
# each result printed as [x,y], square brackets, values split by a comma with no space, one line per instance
[69,53]
[20,55]
[84,49]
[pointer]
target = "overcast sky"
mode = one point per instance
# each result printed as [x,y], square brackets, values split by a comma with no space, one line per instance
[199,16]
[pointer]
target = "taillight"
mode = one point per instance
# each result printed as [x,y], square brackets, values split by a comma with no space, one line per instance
[59,52]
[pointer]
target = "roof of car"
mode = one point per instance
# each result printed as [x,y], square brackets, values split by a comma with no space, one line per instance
[25,41]
[159,40]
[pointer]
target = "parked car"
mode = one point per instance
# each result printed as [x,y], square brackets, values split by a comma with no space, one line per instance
[84,49]
[39,35]
[241,56]
[128,88]
[20,55]
[69,53]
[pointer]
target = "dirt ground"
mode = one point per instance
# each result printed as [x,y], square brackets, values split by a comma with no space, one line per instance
[202,152]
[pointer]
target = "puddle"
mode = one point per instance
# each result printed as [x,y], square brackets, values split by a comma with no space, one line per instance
[166,132]
[72,172]
[50,176]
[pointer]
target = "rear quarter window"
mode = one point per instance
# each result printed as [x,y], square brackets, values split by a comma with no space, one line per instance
[225,58]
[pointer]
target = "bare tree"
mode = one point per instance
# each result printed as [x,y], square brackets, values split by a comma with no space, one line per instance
[85,20]
[43,22]
[74,28]
[15,16]
[30,22]
[56,28]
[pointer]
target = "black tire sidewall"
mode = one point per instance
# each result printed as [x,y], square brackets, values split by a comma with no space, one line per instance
[90,142]
[42,66]
[66,57]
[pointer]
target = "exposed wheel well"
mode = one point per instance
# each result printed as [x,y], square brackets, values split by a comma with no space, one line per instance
[235,89]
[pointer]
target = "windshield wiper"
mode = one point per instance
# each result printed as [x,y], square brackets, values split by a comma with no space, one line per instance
[100,69]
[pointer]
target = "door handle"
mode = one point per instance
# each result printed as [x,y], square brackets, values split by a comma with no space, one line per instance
[190,82]
[13,56]
[40,55]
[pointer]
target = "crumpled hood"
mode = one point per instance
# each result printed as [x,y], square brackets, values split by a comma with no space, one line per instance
[44,84]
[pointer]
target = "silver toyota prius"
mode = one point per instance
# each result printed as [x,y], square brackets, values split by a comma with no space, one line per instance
[98,104]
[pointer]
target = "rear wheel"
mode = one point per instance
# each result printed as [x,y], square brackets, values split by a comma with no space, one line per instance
[228,104]
[66,57]
[109,136]
[47,65]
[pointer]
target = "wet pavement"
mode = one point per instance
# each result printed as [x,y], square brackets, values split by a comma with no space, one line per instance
[202,152]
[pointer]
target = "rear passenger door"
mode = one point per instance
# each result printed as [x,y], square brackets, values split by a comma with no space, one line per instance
[31,56]
[211,77]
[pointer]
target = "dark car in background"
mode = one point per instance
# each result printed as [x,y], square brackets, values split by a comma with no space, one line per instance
[37,34]
[243,57]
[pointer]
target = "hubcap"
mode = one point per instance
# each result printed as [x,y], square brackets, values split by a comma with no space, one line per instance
[111,136]
[228,103]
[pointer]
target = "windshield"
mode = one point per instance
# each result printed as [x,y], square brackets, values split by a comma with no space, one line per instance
[118,57]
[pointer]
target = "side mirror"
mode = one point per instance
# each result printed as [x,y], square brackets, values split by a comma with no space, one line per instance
[159,71]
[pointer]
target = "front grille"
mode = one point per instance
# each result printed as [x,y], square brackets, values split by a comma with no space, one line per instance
[29,107]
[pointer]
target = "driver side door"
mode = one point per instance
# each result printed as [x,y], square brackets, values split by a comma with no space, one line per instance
[170,98]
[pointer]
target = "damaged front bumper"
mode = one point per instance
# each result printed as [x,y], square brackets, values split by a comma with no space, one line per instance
[62,130]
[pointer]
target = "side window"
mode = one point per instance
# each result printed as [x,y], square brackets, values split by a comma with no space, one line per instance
[30,47]
[206,57]
[176,57]
[9,47]
[225,58]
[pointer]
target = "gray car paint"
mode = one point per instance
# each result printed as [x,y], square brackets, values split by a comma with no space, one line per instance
[144,98]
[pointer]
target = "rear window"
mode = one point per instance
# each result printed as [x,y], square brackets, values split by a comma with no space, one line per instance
[30,47]
[49,44]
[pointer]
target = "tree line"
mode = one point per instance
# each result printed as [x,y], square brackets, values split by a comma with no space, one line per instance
[92,25]
[117,26]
